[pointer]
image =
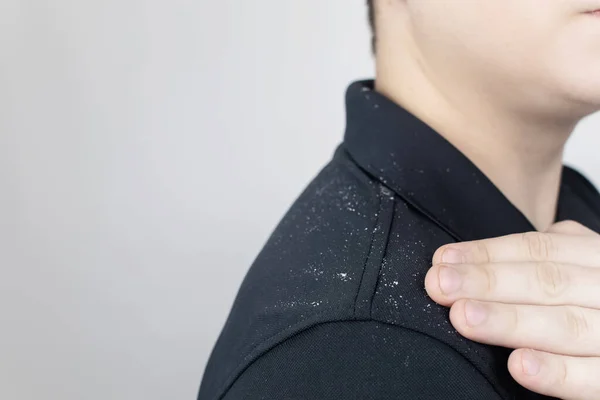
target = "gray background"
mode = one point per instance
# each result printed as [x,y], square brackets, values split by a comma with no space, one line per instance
[147,149]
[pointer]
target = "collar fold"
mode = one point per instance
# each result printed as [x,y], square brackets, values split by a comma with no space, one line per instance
[428,172]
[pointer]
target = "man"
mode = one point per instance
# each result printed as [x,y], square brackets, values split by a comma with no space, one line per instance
[447,191]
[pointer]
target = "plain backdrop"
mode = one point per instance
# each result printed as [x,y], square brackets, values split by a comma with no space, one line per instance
[147,150]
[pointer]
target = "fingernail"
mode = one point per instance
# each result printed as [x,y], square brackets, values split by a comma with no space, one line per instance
[450,280]
[452,256]
[475,313]
[531,363]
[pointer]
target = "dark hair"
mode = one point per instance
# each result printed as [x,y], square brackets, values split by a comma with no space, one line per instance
[371,7]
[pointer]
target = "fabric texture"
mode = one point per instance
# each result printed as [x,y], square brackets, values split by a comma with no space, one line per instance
[334,306]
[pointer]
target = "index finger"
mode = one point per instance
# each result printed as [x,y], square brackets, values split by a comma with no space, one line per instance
[525,247]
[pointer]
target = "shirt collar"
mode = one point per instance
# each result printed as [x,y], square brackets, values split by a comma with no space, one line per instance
[428,172]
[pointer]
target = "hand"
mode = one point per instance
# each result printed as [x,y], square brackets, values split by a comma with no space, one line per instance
[538,293]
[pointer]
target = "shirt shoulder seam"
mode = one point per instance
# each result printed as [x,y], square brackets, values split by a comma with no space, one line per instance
[363,300]
[289,336]
[377,245]
[326,316]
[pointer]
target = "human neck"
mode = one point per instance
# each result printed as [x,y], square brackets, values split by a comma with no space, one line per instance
[521,155]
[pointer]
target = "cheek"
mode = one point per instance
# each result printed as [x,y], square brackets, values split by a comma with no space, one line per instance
[476,35]
[483,47]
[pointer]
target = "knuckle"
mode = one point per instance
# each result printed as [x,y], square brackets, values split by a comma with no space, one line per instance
[577,324]
[491,279]
[515,321]
[551,279]
[539,245]
[560,375]
[483,251]
[563,379]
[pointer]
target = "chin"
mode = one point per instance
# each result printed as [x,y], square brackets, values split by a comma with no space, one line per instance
[580,87]
[586,95]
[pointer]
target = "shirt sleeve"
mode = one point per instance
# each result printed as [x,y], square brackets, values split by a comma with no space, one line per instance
[361,360]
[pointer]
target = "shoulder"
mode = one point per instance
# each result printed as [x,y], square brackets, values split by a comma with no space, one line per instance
[310,270]
[360,360]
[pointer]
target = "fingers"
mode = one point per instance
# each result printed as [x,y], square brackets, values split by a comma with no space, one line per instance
[563,330]
[541,283]
[535,290]
[564,377]
[527,247]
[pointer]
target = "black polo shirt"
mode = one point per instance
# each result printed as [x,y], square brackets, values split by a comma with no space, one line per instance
[334,306]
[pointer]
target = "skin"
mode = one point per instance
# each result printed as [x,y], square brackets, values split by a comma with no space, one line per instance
[506,82]
[535,292]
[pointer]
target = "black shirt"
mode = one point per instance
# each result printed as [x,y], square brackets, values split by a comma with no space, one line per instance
[334,306]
